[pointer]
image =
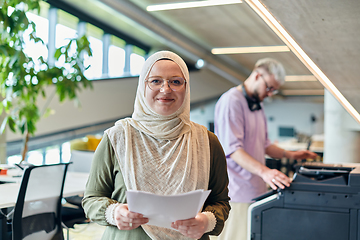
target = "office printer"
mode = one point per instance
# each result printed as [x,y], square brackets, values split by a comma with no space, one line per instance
[322,203]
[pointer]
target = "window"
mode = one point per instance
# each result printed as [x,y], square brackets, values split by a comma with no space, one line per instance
[65,30]
[32,49]
[52,155]
[35,157]
[137,60]
[94,35]
[65,152]
[116,57]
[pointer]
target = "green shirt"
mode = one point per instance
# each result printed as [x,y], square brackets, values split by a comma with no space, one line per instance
[106,186]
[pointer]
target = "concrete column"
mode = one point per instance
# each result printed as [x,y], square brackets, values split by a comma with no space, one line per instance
[52,17]
[341,133]
[106,39]
[128,51]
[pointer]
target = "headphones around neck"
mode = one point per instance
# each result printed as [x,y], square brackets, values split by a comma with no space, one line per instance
[253,104]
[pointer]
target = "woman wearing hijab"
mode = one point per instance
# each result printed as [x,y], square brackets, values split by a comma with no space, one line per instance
[158,150]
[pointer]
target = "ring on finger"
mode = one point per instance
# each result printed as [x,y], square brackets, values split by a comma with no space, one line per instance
[273,180]
[130,224]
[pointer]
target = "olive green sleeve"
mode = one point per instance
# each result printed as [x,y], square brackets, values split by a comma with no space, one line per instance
[218,200]
[100,189]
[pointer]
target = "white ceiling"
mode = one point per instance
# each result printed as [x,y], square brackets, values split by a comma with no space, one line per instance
[327,30]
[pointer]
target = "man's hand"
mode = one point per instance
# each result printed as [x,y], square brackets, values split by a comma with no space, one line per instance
[275,178]
[302,154]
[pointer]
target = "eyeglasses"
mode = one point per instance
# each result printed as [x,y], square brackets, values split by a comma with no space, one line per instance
[271,90]
[175,83]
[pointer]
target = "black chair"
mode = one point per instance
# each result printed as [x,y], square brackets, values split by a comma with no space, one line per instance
[37,212]
[72,211]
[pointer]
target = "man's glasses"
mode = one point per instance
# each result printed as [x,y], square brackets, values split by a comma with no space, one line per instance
[270,89]
[175,83]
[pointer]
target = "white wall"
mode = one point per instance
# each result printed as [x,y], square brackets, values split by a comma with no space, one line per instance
[203,114]
[291,112]
[296,113]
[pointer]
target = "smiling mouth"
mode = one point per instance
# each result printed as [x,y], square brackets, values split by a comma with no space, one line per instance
[165,99]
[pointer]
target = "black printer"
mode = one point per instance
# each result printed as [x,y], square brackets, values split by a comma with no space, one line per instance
[322,203]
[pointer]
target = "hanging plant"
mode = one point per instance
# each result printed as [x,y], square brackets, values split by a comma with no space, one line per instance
[24,79]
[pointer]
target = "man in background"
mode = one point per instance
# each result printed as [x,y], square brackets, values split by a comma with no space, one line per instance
[240,125]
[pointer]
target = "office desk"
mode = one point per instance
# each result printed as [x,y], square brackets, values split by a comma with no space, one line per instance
[74,185]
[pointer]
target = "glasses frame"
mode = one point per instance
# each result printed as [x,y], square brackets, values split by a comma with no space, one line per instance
[168,83]
[269,89]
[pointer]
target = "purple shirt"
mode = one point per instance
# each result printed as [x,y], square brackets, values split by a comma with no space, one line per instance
[239,128]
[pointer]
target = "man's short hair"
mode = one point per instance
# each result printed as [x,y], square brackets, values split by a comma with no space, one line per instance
[273,67]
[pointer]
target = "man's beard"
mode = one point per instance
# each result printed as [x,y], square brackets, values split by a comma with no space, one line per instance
[256,96]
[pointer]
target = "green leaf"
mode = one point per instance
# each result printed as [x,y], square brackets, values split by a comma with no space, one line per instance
[57,53]
[22,127]
[31,127]
[12,124]
[3,124]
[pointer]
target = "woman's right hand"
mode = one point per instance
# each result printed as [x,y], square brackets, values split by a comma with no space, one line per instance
[126,220]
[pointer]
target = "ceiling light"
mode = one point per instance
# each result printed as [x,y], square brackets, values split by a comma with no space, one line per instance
[261,49]
[269,19]
[200,63]
[180,5]
[300,78]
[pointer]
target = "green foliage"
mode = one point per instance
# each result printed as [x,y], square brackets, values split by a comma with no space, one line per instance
[23,79]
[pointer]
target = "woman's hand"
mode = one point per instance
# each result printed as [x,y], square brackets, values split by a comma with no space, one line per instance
[193,227]
[126,220]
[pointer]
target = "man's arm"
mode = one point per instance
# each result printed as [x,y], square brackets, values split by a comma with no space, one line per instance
[277,152]
[272,177]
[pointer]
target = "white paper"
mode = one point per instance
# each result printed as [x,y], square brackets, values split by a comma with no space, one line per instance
[163,210]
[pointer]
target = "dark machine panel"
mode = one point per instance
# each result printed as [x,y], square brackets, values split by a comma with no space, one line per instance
[322,203]
[299,224]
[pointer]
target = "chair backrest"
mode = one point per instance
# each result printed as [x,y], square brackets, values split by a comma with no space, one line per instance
[37,212]
[81,161]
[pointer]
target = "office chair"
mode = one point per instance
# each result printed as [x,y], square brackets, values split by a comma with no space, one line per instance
[37,212]
[72,212]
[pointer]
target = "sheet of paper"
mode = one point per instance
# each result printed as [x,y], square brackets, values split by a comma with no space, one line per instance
[163,210]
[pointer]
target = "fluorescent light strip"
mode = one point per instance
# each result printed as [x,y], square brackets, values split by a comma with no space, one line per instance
[261,49]
[300,78]
[181,5]
[302,92]
[299,52]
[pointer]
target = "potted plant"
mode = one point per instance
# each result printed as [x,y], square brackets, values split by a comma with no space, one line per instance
[24,79]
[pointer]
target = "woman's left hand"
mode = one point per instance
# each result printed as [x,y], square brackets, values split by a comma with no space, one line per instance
[193,227]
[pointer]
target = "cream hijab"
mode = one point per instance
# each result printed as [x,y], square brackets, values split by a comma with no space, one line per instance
[161,154]
[147,120]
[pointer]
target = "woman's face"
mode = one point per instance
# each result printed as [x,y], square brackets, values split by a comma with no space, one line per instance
[165,101]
